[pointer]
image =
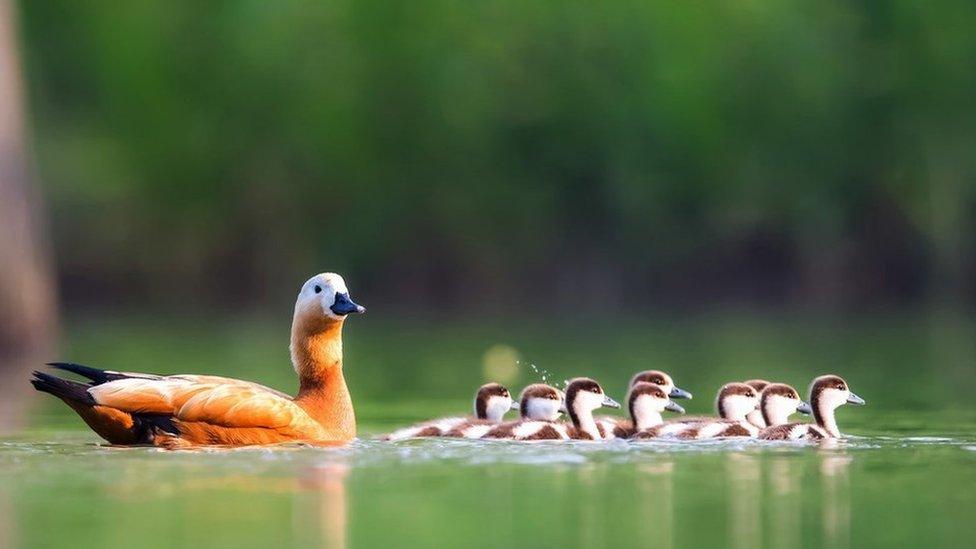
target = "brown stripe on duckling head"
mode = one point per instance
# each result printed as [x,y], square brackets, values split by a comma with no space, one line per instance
[643,388]
[484,394]
[757,384]
[536,390]
[730,389]
[656,377]
[775,389]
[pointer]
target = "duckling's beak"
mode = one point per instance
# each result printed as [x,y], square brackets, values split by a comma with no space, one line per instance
[804,408]
[679,393]
[515,405]
[854,399]
[343,305]
[610,403]
[672,407]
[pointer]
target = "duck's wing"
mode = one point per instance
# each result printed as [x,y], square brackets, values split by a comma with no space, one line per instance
[202,399]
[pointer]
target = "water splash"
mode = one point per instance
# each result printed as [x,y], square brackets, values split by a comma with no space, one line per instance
[540,372]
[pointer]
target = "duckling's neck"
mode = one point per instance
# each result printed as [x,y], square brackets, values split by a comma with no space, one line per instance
[644,416]
[824,416]
[584,422]
[316,353]
[756,418]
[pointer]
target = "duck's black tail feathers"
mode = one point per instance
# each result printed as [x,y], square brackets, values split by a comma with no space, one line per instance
[62,388]
[97,376]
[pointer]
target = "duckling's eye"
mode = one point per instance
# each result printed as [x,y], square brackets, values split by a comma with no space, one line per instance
[318,289]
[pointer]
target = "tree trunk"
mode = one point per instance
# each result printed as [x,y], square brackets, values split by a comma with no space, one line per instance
[28,322]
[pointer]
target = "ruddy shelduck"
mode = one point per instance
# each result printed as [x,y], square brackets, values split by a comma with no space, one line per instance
[191,410]
[827,393]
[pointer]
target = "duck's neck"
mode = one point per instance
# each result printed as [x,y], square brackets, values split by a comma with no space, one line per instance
[824,416]
[647,420]
[316,353]
[757,418]
[584,422]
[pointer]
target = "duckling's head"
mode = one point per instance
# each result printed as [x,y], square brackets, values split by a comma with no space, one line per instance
[541,402]
[757,384]
[735,400]
[648,400]
[829,392]
[661,379]
[325,296]
[492,401]
[778,401]
[583,395]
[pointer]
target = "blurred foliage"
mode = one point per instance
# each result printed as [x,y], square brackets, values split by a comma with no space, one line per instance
[501,152]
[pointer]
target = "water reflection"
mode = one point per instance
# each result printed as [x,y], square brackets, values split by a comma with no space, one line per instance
[836,499]
[785,501]
[655,503]
[329,509]
[745,511]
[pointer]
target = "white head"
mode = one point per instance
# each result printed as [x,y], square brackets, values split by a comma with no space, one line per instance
[778,402]
[325,295]
[541,402]
[646,402]
[583,395]
[736,400]
[492,401]
[827,393]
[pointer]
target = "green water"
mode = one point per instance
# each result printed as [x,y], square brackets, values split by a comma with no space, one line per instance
[905,477]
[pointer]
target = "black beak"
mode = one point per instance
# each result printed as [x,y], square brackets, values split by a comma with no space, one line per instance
[343,305]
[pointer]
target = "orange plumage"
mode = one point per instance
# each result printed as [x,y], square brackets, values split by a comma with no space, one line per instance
[190,410]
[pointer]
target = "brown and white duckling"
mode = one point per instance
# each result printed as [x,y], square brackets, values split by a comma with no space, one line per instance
[733,403]
[538,402]
[583,395]
[827,393]
[777,402]
[491,402]
[657,377]
[755,417]
[646,402]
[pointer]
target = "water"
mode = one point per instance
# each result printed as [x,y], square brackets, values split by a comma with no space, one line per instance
[907,486]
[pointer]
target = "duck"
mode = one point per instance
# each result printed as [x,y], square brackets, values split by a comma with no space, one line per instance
[491,402]
[733,402]
[646,402]
[537,403]
[183,411]
[827,393]
[777,402]
[583,396]
[613,424]
[755,417]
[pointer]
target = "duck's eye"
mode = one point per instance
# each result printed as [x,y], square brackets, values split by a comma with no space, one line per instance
[318,289]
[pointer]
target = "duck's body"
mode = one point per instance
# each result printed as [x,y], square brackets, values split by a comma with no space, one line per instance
[491,401]
[624,427]
[193,410]
[827,393]
[733,403]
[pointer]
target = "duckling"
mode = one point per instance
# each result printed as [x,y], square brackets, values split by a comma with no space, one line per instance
[755,417]
[777,402]
[827,393]
[537,403]
[178,411]
[657,377]
[583,395]
[646,402]
[491,402]
[734,402]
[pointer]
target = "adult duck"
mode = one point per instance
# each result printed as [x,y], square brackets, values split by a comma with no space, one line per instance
[191,410]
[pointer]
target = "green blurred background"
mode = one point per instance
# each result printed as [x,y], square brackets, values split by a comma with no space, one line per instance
[719,189]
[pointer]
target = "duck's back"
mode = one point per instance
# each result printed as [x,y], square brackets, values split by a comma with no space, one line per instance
[793,431]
